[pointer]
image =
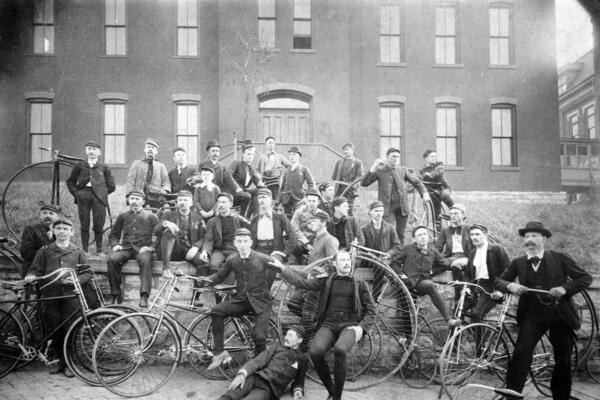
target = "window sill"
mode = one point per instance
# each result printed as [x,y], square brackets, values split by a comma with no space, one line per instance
[117,56]
[41,54]
[192,57]
[448,65]
[392,65]
[303,51]
[504,168]
[117,166]
[512,66]
[453,168]
[266,50]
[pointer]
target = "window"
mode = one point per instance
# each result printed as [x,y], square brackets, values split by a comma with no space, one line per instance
[43,27]
[590,121]
[390,35]
[390,126]
[503,135]
[562,84]
[448,133]
[500,35]
[114,132]
[187,28]
[266,23]
[115,27]
[302,24]
[446,43]
[186,128]
[573,125]
[40,130]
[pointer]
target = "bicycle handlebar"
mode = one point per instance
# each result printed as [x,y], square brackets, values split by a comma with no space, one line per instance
[57,155]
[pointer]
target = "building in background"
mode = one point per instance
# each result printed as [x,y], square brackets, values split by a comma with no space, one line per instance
[475,80]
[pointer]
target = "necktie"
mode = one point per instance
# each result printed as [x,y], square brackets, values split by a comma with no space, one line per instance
[149,175]
[456,230]
[533,260]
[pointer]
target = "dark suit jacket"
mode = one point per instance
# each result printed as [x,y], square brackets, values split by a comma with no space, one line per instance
[386,176]
[390,242]
[279,366]
[214,231]
[351,231]
[222,176]
[444,241]
[355,172]
[562,271]
[103,183]
[34,237]
[239,173]
[253,282]
[179,182]
[281,225]
[497,261]
[197,227]
[364,305]
[418,266]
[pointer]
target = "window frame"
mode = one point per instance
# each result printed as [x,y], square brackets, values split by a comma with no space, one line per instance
[106,26]
[187,27]
[400,35]
[104,103]
[260,18]
[570,125]
[511,52]
[44,24]
[586,117]
[392,104]
[448,5]
[187,102]
[297,19]
[458,138]
[29,141]
[512,138]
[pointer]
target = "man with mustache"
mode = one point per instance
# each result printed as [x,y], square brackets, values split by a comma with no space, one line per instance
[347,169]
[247,179]
[181,175]
[38,235]
[342,226]
[538,313]
[131,237]
[221,175]
[149,175]
[301,220]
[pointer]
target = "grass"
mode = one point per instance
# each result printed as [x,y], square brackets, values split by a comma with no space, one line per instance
[575,228]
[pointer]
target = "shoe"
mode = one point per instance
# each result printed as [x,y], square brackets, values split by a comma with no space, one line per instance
[117,298]
[68,372]
[221,358]
[57,367]
[144,301]
[453,322]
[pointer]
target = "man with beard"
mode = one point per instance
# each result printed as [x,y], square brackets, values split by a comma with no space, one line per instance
[268,375]
[179,236]
[247,179]
[343,227]
[537,313]
[221,175]
[345,311]
[131,237]
[220,233]
[392,191]
[90,184]
[300,221]
[272,233]
[348,169]
[149,175]
[37,235]
[180,175]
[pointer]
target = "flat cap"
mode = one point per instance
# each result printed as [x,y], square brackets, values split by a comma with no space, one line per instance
[480,227]
[243,232]
[152,142]
[419,227]
[207,168]
[428,152]
[178,148]
[247,146]
[312,192]
[320,214]
[226,195]
[50,207]
[338,201]
[375,204]
[323,186]
[264,192]
[63,221]
[184,193]
[459,206]
[392,150]
[349,144]
[93,144]
[136,192]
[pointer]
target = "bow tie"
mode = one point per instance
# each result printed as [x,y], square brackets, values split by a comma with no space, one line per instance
[456,230]
[423,250]
[533,260]
[339,220]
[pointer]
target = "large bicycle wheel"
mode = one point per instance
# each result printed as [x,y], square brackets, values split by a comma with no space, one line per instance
[421,367]
[146,348]
[475,353]
[593,364]
[79,343]
[542,364]
[589,324]
[11,336]
[199,346]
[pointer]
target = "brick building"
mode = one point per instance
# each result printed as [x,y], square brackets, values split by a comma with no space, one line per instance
[475,79]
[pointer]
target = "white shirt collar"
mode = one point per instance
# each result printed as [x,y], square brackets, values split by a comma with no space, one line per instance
[539,255]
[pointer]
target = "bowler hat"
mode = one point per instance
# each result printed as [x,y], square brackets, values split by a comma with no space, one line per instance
[93,144]
[176,149]
[63,221]
[50,207]
[264,192]
[212,143]
[152,142]
[136,192]
[338,201]
[323,186]
[184,193]
[243,232]
[269,137]
[298,329]
[375,204]
[295,149]
[226,195]
[427,153]
[320,214]
[247,146]
[535,226]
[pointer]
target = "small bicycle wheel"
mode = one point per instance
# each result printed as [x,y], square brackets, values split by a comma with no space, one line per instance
[421,367]
[11,336]
[143,348]
[79,342]
[475,353]
[542,364]
[199,346]
[593,364]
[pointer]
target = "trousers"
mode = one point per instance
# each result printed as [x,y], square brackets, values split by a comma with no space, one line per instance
[117,259]
[88,202]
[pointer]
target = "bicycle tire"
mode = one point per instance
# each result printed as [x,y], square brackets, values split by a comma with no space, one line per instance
[474,353]
[542,364]
[589,323]
[11,334]
[147,357]
[593,364]
[199,345]
[79,342]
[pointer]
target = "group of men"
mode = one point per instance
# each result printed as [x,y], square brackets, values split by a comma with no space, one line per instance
[220,243]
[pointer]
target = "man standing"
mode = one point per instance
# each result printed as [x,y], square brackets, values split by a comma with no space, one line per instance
[267,376]
[486,263]
[37,235]
[179,236]
[271,165]
[254,278]
[221,175]
[538,313]
[300,221]
[346,311]
[90,183]
[293,180]
[343,227]
[149,175]
[392,189]
[272,233]
[433,174]
[179,175]
[131,236]
[348,169]
[220,233]
[247,179]
[59,254]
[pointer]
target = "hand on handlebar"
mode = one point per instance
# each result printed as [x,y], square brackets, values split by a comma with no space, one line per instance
[516,288]
[558,292]
[30,278]
[497,295]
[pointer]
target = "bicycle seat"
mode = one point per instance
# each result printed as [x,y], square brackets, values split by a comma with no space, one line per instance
[224,287]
